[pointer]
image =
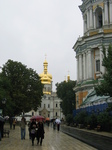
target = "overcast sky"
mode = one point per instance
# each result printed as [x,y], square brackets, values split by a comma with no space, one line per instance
[31,29]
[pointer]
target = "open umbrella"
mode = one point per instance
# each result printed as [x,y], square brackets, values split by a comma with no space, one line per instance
[2,119]
[37,118]
[6,117]
[47,119]
[58,121]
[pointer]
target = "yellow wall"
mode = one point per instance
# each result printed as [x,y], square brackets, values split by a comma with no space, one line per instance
[80,96]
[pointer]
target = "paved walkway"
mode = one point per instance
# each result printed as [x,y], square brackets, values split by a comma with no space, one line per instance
[53,140]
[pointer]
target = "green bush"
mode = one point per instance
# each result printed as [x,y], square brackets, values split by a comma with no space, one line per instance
[93,123]
[69,119]
[104,120]
[80,118]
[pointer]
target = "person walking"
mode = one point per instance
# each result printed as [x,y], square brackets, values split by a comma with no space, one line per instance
[1,125]
[14,123]
[58,126]
[40,132]
[23,128]
[54,124]
[10,122]
[29,124]
[33,127]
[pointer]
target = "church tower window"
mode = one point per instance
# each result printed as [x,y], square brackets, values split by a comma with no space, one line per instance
[97,65]
[99,20]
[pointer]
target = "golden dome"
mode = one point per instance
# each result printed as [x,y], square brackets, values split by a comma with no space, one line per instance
[68,78]
[46,78]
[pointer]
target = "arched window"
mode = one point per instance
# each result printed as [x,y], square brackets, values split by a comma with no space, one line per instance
[99,18]
[32,113]
[44,106]
[85,22]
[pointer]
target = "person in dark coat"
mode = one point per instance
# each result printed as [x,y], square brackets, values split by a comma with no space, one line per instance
[1,129]
[58,126]
[10,122]
[33,127]
[40,132]
[29,124]
[54,124]
[1,124]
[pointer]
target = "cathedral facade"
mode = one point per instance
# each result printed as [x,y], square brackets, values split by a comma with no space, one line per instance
[97,26]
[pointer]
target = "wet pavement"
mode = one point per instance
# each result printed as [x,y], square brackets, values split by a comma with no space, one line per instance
[53,140]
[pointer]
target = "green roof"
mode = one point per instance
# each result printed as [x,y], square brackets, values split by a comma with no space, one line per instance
[92,97]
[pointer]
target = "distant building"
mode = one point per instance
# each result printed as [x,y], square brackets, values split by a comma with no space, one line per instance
[97,25]
[50,105]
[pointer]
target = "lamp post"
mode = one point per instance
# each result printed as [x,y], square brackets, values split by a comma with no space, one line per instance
[3,102]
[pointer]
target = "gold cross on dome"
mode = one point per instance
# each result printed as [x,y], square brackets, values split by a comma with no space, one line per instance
[45,56]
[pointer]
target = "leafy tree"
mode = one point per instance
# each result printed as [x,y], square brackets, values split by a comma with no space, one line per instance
[66,93]
[105,88]
[21,87]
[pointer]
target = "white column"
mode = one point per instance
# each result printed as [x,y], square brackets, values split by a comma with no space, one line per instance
[91,18]
[80,67]
[89,64]
[105,13]
[87,19]
[106,47]
[94,20]
[77,68]
[84,24]
[84,65]
[103,16]
[102,69]
[110,11]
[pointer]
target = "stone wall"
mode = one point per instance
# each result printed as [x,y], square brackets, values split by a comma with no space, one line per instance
[98,141]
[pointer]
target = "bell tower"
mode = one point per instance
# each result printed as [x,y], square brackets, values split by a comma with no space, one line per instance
[97,31]
[46,79]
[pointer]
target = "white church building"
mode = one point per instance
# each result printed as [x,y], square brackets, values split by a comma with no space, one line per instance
[50,103]
[97,31]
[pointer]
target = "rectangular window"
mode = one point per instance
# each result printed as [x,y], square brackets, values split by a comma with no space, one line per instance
[32,113]
[97,65]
